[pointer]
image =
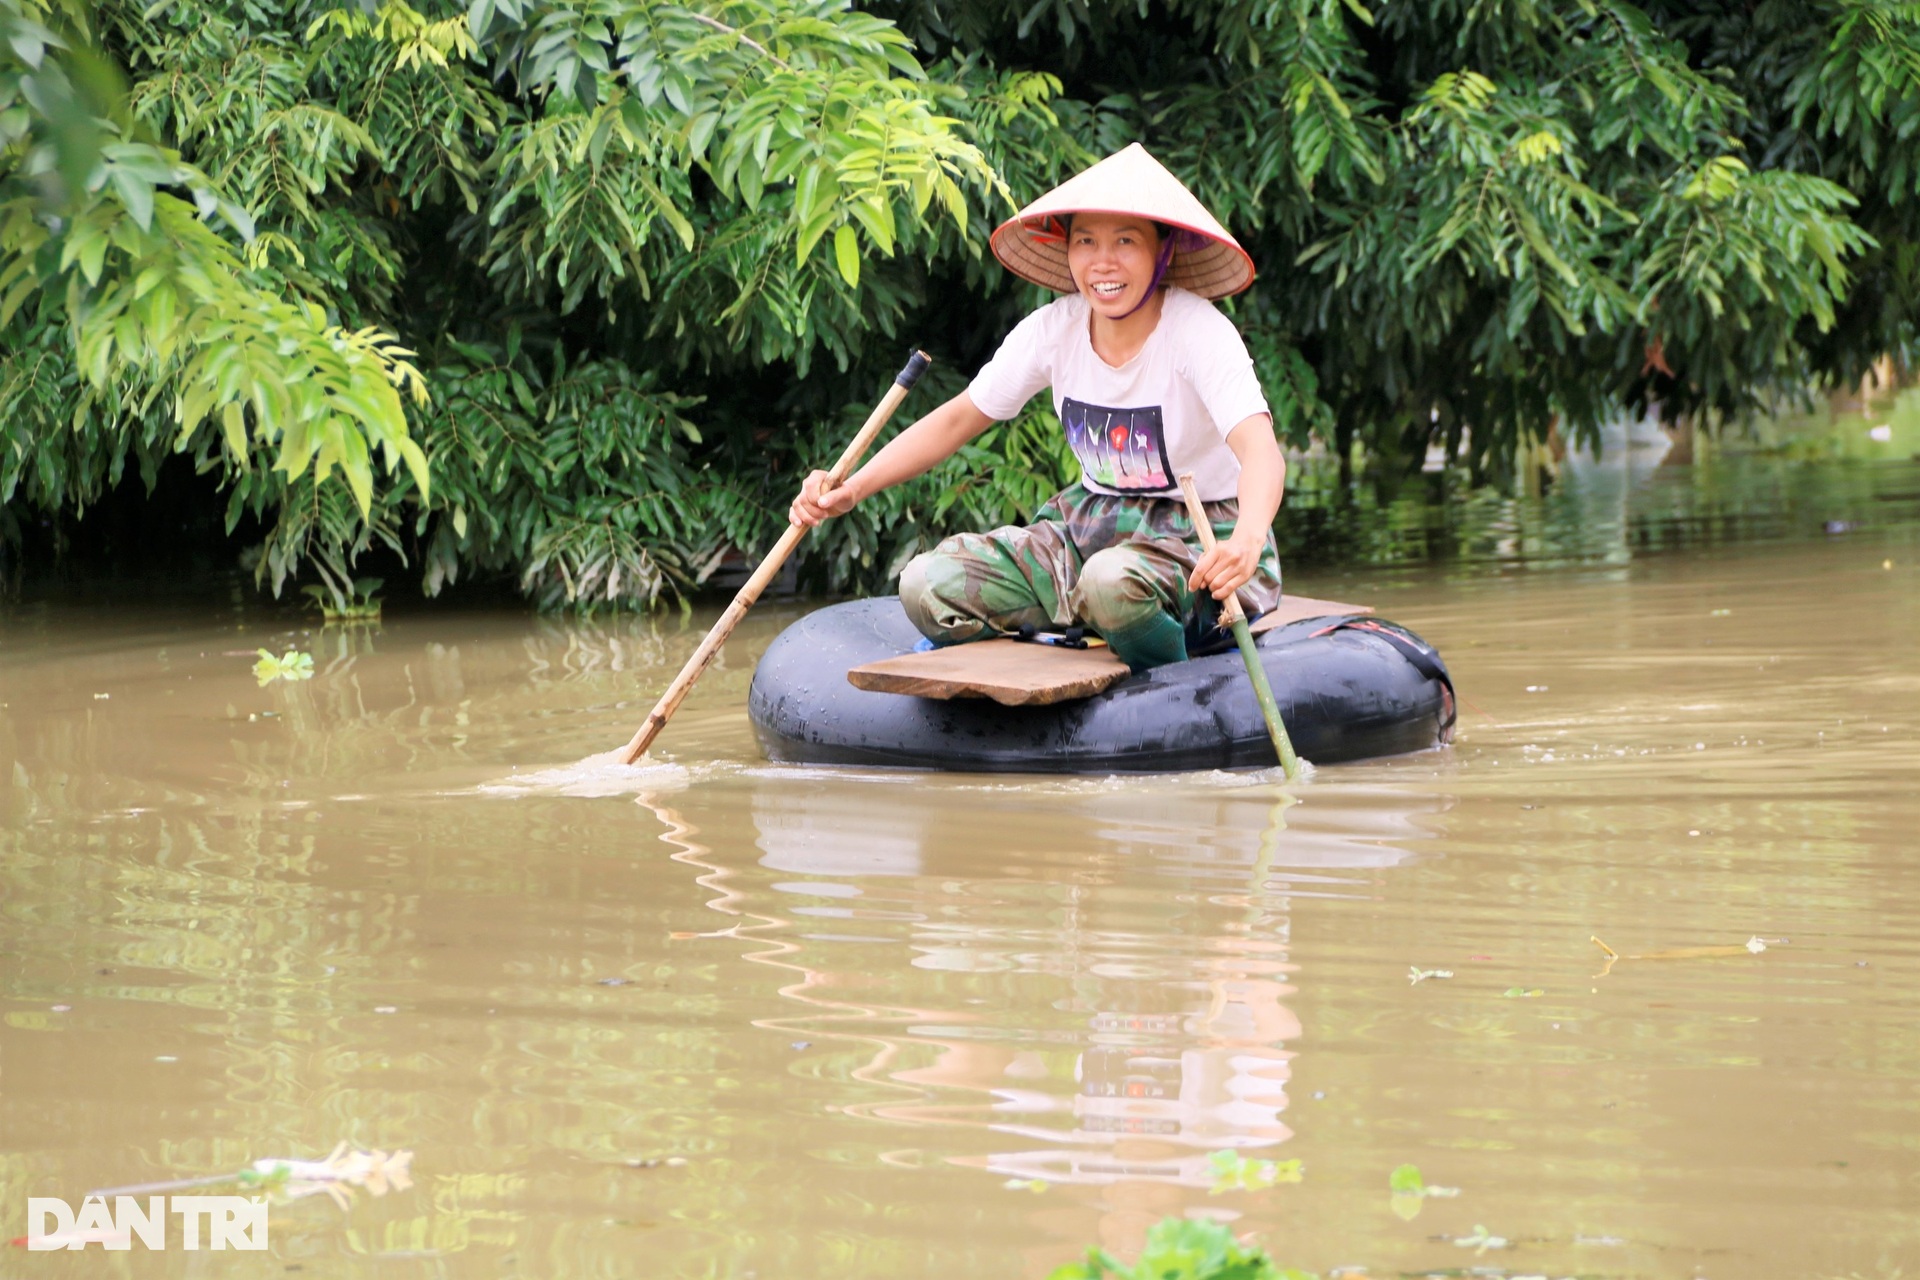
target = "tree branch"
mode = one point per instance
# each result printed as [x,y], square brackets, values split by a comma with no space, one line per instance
[743,38]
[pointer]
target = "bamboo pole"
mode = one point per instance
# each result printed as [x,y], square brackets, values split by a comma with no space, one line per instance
[746,597]
[1237,617]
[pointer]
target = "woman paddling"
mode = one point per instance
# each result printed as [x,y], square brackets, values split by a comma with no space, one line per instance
[1149,381]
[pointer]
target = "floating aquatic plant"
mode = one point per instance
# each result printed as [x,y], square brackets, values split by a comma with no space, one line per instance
[291,665]
[1410,1191]
[1183,1249]
[1234,1172]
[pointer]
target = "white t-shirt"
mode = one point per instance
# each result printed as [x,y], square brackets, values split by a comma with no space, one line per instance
[1135,428]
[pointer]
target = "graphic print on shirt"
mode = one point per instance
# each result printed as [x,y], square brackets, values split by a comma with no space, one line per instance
[1121,449]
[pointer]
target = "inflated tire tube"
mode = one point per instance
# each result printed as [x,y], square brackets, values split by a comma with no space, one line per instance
[1349,689]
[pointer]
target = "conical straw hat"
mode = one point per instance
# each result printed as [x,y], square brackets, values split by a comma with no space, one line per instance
[1208,261]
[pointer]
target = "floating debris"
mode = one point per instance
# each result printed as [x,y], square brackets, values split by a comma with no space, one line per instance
[1419,975]
[336,1176]
[1481,1240]
[1234,1172]
[375,1172]
[1752,946]
[1407,1179]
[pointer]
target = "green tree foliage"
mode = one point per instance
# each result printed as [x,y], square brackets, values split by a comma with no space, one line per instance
[157,313]
[658,258]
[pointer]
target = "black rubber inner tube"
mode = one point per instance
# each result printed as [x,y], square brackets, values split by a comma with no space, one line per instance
[1349,688]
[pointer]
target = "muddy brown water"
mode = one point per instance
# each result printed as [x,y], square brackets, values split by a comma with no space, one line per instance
[728,1019]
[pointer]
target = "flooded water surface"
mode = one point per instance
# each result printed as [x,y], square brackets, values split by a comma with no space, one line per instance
[1631,972]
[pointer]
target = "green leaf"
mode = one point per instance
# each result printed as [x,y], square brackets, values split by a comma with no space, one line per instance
[136,195]
[233,423]
[91,254]
[876,215]
[846,252]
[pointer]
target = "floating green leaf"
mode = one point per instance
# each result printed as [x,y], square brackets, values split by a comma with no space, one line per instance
[1410,1191]
[1183,1249]
[291,665]
[1233,1171]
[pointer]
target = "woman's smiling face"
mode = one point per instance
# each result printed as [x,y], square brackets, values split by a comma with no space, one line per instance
[1112,257]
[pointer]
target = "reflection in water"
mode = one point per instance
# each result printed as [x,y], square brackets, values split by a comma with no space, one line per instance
[1135,1050]
[1625,499]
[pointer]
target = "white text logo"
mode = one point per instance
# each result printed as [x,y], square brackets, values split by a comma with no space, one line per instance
[204,1222]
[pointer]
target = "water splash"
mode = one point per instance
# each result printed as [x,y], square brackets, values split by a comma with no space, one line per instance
[603,774]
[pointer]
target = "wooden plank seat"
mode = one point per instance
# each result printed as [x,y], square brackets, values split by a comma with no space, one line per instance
[1017,674]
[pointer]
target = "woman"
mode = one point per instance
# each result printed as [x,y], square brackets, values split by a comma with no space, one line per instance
[1149,381]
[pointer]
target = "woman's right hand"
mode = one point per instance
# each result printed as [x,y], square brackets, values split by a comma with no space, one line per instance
[817,501]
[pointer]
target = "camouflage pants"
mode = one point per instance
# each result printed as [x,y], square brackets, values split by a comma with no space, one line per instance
[1116,565]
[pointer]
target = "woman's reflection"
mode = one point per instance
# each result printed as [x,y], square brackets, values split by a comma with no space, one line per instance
[1133,942]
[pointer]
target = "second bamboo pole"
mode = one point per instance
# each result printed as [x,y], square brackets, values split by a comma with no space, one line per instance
[1237,617]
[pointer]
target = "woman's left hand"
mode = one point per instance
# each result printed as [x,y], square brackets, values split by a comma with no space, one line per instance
[1227,568]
